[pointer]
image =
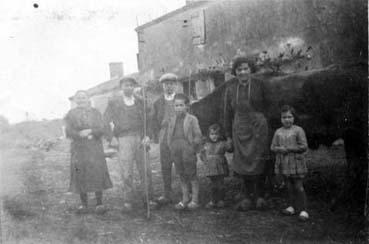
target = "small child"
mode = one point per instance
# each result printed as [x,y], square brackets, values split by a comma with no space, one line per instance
[184,138]
[289,143]
[216,165]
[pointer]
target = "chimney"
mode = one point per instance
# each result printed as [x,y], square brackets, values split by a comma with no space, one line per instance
[116,70]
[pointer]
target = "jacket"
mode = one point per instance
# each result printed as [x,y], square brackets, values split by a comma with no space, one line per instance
[157,123]
[191,130]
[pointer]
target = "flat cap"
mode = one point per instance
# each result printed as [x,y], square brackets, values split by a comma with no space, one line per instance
[168,77]
[128,79]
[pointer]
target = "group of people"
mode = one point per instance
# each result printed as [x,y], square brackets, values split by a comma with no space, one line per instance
[168,122]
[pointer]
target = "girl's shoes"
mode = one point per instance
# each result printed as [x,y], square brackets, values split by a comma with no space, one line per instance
[193,205]
[288,211]
[210,204]
[304,216]
[180,206]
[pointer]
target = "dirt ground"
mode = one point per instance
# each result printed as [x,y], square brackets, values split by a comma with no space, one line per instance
[36,207]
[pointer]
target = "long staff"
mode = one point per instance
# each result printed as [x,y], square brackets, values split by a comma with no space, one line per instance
[145,156]
[366,197]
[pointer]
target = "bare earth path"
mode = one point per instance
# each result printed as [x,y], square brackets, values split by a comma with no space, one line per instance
[36,208]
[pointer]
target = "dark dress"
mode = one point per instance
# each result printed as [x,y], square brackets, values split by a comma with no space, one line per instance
[89,172]
[247,126]
[214,158]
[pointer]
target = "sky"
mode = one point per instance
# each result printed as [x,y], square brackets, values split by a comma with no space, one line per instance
[49,52]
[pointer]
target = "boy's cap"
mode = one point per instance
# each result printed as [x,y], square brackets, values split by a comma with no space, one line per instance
[128,79]
[168,77]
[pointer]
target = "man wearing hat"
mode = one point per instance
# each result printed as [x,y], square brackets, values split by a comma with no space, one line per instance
[163,109]
[126,115]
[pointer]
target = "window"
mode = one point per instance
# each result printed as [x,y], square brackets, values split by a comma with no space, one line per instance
[140,36]
[141,41]
[139,65]
[198,27]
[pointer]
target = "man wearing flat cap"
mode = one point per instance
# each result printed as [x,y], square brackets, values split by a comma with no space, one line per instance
[163,109]
[126,114]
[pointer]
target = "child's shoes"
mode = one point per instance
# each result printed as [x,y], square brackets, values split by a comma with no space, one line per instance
[193,205]
[288,211]
[180,206]
[82,209]
[304,216]
[210,204]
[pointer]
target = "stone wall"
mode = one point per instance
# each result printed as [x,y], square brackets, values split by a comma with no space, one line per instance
[283,35]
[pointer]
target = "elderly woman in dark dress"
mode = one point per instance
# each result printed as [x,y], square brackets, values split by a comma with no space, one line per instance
[246,127]
[89,172]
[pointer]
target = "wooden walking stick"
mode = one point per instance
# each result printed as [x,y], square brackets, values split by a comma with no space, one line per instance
[145,157]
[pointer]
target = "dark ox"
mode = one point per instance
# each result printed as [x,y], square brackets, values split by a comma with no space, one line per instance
[331,103]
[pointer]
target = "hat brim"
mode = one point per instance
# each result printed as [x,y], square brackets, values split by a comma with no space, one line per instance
[129,80]
[168,80]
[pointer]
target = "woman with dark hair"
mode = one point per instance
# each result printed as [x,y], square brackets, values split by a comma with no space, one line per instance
[246,127]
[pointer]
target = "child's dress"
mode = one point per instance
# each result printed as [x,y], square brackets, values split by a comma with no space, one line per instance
[214,159]
[291,164]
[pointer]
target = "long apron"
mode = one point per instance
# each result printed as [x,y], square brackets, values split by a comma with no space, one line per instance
[89,172]
[250,136]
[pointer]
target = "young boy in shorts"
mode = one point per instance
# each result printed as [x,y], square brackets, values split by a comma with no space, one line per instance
[184,139]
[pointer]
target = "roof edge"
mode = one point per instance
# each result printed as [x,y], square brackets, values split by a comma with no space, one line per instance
[173,13]
[106,86]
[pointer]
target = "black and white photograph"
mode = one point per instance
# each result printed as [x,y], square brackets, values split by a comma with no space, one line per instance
[184,121]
